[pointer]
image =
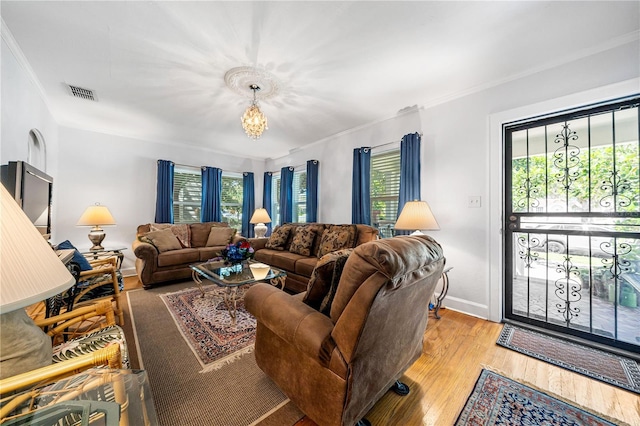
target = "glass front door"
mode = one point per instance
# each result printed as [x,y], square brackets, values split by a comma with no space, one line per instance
[572,223]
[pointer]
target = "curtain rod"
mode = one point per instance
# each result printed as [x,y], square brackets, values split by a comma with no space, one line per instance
[200,167]
[390,143]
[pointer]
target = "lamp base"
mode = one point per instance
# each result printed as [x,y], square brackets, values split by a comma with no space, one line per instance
[260,229]
[96,235]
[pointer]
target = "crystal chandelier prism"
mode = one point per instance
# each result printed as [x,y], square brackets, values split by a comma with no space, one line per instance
[253,120]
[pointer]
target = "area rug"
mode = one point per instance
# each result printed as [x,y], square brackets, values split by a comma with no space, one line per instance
[596,364]
[237,394]
[207,326]
[497,400]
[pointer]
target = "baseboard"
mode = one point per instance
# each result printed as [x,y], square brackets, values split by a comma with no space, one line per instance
[466,307]
[128,272]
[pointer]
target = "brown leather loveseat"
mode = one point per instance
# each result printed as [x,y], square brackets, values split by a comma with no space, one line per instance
[165,251]
[297,247]
[334,368]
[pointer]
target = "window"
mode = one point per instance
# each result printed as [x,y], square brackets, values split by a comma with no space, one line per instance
[187,194]
[275,199]
[385,190]
[231,207]
[299,197]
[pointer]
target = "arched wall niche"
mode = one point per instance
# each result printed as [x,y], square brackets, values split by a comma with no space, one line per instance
[37,150]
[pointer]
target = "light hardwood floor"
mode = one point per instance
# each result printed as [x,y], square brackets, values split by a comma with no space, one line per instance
[456,348]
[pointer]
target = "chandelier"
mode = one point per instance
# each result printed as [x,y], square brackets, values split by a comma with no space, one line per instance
[253,120]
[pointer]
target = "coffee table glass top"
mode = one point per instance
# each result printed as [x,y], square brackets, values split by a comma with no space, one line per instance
[234,275]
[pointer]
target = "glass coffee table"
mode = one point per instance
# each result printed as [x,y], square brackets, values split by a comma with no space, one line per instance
[232,278]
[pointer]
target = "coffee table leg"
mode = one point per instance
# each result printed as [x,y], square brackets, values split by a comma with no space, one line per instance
[278,282]
[196,279]
[231,300]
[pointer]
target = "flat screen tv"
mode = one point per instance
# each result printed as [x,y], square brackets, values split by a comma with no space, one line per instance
[32,189]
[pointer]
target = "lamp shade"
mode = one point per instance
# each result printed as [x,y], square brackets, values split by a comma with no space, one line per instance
[30,271]
[260,216]
[416,215]
[96,216]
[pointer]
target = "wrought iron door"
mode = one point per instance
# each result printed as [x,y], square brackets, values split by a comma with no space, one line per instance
[572,223]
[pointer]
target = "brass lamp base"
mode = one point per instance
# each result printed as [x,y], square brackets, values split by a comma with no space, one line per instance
[96,235]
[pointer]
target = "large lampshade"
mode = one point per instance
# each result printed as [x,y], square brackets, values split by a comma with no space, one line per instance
[260,217]
[30,270]
[416,215]
[96,216]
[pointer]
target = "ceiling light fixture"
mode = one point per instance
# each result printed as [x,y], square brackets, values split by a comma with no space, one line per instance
[254,121]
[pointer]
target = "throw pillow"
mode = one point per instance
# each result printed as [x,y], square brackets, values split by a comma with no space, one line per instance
[182,231]
[78,258]
[322,278]
[325,306]
[164,240]
[220,236]
[337,237]
[302,241]
[278,238]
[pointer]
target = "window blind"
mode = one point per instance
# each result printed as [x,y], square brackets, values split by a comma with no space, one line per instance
[385,190]
[187,194]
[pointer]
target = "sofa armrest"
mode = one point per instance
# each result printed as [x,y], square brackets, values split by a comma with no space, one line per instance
[237,238]
[147,255]
[258,243]
[293,321]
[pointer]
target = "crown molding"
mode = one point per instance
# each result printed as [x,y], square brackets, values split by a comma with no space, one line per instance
[13,46]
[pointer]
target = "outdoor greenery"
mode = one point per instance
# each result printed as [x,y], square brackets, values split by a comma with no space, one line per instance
[590,184]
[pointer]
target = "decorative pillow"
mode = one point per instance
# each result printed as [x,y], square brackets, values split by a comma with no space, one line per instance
[302,241]
[278,238]
[220,236]
[182,231]
[337,237]
[164,240]
[323,278]
[78,258]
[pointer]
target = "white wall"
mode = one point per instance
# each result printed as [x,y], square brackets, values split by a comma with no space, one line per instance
[456,163]
[23,108]
[120,173]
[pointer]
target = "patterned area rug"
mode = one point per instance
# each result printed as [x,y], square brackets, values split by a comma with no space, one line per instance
[208,328]
[600,365]
[497,400]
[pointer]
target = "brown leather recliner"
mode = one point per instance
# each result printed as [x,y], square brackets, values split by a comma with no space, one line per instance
[336,368]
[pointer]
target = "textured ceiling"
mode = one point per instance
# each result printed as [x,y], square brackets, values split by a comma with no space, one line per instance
[158,68]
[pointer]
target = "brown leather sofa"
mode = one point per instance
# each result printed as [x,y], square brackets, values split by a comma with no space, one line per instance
[297,266]
[335,368]
[155,264]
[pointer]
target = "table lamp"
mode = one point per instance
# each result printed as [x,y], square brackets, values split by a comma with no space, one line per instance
[416,215]
[96,216]
[30,272]
[260,217]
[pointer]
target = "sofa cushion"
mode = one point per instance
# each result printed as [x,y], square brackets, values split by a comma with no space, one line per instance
[182,231]
[324,280]
[305,266]
[302,242]
[366,233]
[220,236]
[337,237]
[285,260]
[163,240]
[178,257]
[278,238]
[208,253]
[200,232]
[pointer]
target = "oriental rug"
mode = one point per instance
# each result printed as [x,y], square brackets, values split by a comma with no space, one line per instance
[594,363]
[207,326]
[497,400]
[237,394]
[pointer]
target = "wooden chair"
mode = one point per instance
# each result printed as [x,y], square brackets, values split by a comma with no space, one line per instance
[90,320]
[99,283]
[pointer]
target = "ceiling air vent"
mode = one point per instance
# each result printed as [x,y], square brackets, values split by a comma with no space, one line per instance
[79,92]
